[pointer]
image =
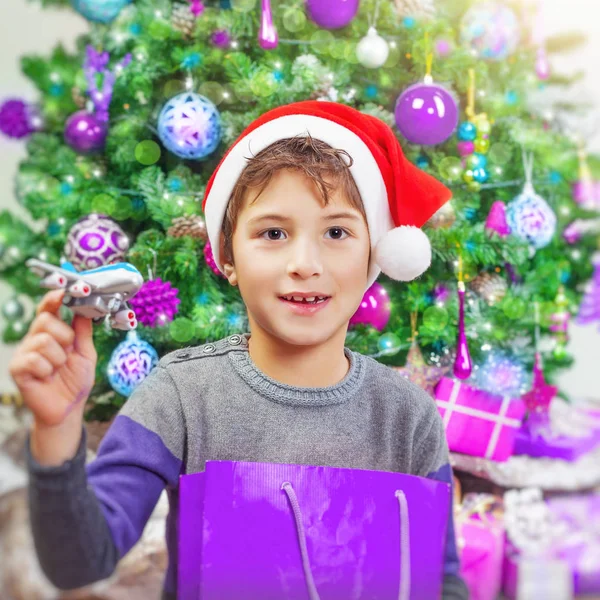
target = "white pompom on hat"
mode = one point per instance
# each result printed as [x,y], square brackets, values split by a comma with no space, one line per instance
[398,197]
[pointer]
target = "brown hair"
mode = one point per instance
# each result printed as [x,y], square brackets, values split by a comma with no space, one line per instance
[314,158]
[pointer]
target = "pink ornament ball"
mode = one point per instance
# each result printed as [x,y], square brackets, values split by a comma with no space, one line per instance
[374,309]
[465,147]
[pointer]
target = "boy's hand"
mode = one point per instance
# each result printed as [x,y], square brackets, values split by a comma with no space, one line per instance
[54,366]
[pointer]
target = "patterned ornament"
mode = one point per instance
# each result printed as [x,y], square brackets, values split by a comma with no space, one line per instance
[491,29]
[426,113]
[190,225]
[443,218]
[530,218]
[372,51]
[156,303]
[589,311]
[490,286]
[210,260]
[189,125]
[374,309]
[501,375]
[18,119]
[421,374]
[94,241]
[85,133]
[419,9]
[182,19]
[540,396]
[130,363]
[100,11]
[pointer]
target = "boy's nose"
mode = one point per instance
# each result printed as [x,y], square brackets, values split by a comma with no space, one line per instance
[305,260]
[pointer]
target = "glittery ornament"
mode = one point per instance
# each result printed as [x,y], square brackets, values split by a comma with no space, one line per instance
[491,29]
[426,113]
[420,373]
[374,309]
[502,375]
[267,34]
[490,286]
[94,241]
[419,9]
[182,19]
[210,260]
[100,11]
[496,219]
[18,119]
[190,225]
[85,133]
[189,125]
[130,363]
[463,365]
[156,303]
[372,51]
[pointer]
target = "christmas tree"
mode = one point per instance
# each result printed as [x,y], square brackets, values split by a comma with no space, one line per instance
[126,132]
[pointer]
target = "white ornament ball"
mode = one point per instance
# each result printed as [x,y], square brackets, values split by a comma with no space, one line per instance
[372,51]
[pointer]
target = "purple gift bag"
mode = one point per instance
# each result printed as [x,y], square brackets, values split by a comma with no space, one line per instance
[273,531]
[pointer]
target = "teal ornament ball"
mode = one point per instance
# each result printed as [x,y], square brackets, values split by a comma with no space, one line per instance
[100,11]
[389,343]
[467,131]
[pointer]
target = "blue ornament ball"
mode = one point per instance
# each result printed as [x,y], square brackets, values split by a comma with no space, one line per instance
[130,363]
[189,126]
[502,374]
[100,11]
[530,218]
[467,132]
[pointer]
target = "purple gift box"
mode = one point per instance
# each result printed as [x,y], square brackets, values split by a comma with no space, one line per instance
[270,531]
[477,422]
[542,442]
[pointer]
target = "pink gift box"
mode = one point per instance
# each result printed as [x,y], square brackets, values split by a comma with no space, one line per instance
[477,422]
[481,548]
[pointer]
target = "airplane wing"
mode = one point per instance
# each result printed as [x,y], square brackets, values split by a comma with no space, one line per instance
[56,278]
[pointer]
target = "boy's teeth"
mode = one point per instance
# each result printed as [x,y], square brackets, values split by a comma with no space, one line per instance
[311,300]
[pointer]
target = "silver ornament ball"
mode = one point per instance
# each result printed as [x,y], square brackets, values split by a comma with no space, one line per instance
[13,309]
[372,51]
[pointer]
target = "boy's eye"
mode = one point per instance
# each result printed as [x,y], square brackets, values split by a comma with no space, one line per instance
[337,233]
[272,234]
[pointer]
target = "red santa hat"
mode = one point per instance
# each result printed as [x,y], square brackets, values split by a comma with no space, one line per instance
[398,197]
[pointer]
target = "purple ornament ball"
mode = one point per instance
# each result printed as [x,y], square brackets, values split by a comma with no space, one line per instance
[332,14]
[85,133]
[426,114]
[18,119]
[374,309]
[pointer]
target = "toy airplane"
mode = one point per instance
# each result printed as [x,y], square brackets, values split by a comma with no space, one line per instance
[96,293]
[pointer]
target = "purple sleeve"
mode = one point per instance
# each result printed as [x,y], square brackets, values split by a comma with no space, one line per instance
[95,514]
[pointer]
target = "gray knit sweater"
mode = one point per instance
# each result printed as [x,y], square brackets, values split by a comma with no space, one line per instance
[212,403]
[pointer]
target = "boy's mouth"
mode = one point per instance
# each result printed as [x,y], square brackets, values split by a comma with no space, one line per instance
[306,299]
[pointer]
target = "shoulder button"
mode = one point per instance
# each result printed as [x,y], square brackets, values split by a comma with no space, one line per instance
[235,340]
[182,354]
[209,348]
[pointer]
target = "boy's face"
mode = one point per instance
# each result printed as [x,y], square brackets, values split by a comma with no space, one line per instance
[289,243]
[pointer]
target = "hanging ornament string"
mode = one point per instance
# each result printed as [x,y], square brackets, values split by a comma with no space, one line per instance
[428,60]
[463,365]
[528,169]
[374,18]
[152,273]
[470,109]
[413,326]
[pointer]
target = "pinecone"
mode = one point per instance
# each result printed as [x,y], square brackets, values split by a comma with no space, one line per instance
[183,19]
[490,286]
[78,97]
[192,225]
[420,9]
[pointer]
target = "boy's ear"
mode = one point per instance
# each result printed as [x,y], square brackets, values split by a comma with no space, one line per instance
[230,273]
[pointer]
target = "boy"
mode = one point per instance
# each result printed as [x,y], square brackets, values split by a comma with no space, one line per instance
[303,228]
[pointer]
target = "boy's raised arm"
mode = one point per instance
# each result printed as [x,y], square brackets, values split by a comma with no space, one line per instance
[85,519]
